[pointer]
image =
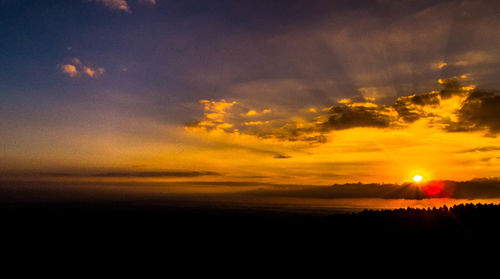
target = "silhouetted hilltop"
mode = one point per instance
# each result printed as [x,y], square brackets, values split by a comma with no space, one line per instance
[173,225]
[477,219]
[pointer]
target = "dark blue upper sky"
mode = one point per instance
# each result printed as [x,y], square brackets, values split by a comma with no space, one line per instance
[162,44]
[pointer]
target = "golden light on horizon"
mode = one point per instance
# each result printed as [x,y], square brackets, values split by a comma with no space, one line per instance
[417,178]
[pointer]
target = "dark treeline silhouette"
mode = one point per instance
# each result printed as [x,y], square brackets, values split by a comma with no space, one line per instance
[458,221]
[125,224]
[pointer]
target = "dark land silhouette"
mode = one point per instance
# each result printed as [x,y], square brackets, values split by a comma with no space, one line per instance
[78,223]
[31,216]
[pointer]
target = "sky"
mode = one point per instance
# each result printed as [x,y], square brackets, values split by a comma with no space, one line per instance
[287,92]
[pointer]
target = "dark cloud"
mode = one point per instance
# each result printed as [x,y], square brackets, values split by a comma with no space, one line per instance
[153,174]
[482,149]
[474,189]
[451,87]
[282,156]
[479,111]
[409,109]
[344,117]
[287,132]
[405,112]
[425,99]
[293,133]
[474,110]
[120,174]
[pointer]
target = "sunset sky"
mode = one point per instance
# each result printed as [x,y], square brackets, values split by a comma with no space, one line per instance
[291,92]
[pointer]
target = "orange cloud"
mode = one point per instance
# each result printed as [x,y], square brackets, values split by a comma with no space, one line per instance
[70,70]
[249,123]
[93,73]
[76,67]
[251,113]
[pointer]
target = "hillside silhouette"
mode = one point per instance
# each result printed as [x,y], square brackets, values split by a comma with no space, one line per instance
[32,216]
[115,224]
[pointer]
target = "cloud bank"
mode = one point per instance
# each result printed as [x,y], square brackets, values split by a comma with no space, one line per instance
[455,108]
[473,189]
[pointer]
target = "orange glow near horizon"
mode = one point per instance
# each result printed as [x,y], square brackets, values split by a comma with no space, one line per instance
[281,146]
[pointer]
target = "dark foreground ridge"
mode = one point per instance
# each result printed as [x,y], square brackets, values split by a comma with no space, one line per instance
[122,224]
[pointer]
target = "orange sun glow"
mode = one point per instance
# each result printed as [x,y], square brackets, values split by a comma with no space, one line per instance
[417,178]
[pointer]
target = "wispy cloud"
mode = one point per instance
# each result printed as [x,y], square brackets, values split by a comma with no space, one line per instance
[282,156]
[148,1]
[482,149]
[125,174]
[152,174]
[123,5]
[119,5]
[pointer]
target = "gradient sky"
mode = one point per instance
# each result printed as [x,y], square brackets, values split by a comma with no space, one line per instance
[307,92]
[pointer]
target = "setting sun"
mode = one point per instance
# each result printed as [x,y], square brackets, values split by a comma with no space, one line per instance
[417,178]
